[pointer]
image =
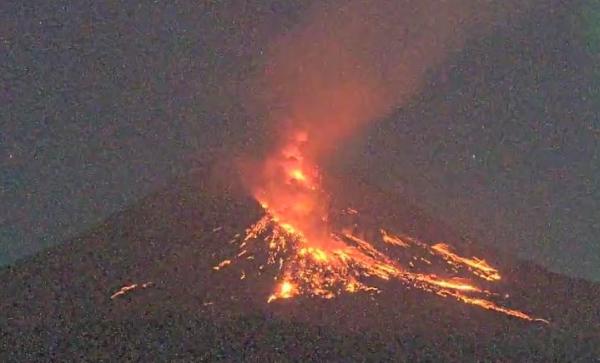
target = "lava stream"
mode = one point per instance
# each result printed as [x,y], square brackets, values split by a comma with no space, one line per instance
[312,271]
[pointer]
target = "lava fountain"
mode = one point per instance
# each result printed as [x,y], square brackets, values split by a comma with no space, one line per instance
[317,258]
[350,63]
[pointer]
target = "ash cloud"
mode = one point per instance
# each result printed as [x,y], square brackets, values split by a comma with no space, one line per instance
[353,62]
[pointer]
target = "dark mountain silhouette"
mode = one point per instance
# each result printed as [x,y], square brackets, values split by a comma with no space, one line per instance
[57,305]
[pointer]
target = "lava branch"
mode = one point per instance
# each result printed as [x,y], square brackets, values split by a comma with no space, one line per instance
[128,288]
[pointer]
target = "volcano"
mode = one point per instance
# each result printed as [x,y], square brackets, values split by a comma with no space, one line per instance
[142,286]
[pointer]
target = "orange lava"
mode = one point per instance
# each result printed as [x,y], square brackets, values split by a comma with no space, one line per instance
[128,288]
[313,258]
[480,267]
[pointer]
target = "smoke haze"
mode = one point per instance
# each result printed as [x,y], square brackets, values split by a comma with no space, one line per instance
[354,62]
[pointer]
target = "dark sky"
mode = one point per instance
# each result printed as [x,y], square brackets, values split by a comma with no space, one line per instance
[102,104]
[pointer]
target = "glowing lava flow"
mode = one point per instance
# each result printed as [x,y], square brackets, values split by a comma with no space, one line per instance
[314,258]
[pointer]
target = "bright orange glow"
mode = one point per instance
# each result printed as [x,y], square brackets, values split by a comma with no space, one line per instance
[450,284]
[285,290]
[317,254]
[393,240]
[315,258]
[297,174]
[288,187]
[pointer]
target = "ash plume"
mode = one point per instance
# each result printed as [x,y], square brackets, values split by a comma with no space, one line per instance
[347,64]
[353,62]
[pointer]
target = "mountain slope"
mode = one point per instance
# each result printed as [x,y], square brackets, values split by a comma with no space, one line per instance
[57,305]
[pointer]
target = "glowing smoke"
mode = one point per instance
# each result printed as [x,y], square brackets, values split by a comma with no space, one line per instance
[349,63]
[353,62]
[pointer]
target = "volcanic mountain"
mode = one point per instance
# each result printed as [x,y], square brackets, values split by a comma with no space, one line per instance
[143,286]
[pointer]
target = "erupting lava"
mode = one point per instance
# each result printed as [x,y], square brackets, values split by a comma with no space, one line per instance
[314,257]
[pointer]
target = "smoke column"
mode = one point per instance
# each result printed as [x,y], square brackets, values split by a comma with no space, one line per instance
[352,62]
[348,64]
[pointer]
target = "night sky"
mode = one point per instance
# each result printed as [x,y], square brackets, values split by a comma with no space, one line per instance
[103,104]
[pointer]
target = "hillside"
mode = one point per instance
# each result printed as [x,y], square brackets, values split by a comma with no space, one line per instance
[57,305]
